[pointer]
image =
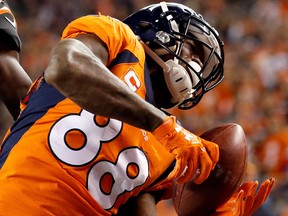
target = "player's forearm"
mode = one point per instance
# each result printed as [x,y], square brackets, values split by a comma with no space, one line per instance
[14,82]
[82,77]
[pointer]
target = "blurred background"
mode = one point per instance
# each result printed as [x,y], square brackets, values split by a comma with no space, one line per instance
[253,94]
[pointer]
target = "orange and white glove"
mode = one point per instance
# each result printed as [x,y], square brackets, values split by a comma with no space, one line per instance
[247,199]
[193,154]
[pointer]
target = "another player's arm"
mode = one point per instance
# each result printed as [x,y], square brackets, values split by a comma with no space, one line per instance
[14,81]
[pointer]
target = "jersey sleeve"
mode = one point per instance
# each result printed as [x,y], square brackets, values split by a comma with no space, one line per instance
[116,35]
[8,28]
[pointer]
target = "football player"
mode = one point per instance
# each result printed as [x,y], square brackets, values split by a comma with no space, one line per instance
[91,133]
[14,82]
[85,143]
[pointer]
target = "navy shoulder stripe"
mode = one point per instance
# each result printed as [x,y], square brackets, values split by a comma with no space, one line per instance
[128,57]
[39,103]
[124,57]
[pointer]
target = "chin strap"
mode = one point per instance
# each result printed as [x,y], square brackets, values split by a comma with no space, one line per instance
[154,56]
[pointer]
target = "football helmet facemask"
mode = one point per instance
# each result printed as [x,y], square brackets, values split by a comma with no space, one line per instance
[162,29]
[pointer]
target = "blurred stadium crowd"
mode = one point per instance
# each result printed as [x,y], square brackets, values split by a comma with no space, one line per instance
[253,94]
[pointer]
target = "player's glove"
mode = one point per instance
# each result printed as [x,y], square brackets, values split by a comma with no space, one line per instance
[191,152]
[247,199]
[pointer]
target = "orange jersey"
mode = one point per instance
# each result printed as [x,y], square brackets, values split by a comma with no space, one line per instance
[59,159]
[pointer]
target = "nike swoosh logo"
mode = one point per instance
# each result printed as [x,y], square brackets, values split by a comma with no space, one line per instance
[5,9]
[13,23]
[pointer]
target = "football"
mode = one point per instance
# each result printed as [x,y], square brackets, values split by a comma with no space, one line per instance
[228,174]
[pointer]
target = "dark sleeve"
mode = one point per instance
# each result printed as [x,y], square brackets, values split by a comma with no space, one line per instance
[8,28]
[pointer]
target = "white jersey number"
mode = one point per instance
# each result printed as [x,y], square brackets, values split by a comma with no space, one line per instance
[132,80]
[94,137]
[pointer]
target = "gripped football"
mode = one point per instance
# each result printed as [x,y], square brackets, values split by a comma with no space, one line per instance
[228,174]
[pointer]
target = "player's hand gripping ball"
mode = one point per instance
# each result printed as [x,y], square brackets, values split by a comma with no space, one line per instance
[190,151]
[201,200]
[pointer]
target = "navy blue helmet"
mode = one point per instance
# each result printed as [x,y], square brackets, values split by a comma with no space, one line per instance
[162,29]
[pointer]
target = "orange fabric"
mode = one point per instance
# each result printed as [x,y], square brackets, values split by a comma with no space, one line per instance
[165,128]
[247,199]
[118,37]
[189,151]
[71,162]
